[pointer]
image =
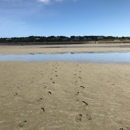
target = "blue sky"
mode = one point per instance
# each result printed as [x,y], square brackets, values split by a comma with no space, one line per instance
[20,18]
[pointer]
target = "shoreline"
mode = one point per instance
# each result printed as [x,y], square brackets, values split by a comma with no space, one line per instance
[64,48]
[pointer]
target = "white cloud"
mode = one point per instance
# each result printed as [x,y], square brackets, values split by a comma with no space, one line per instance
[49,1]
[45,1]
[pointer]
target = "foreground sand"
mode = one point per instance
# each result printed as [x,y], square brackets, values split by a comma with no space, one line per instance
[64,96]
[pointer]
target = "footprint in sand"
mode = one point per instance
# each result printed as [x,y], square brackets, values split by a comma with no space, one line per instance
[43,109]
[49,92]
[20,125]
[45,86]
[20,87]
[77,93]
[39,99]
[85,103]
[80,77]
[88,117]
[78,118]
[16,94]
[82,87]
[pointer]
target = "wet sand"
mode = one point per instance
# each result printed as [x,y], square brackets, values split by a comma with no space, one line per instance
[64,96]
[65,48]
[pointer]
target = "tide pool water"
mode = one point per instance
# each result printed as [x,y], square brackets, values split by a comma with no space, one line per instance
[117,57]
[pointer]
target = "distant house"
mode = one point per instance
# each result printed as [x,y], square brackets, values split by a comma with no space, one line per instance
[76,38]
[65,39]
[8,39]
[53,38]
[100,37]
[36,39]
[87,39]
[57,38]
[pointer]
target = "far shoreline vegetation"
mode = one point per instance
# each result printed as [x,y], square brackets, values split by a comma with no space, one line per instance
[36,40]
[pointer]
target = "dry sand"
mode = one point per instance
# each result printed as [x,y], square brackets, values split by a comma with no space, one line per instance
[64,96]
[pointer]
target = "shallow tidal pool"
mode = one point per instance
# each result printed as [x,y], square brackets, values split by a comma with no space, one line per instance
[116,57]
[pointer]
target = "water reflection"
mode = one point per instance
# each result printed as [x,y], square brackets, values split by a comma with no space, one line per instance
[76,57]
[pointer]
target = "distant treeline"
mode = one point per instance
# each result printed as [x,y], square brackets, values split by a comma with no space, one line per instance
[60,39]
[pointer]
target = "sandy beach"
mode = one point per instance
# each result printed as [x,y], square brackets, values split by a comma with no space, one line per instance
[125,47]
[63,95]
